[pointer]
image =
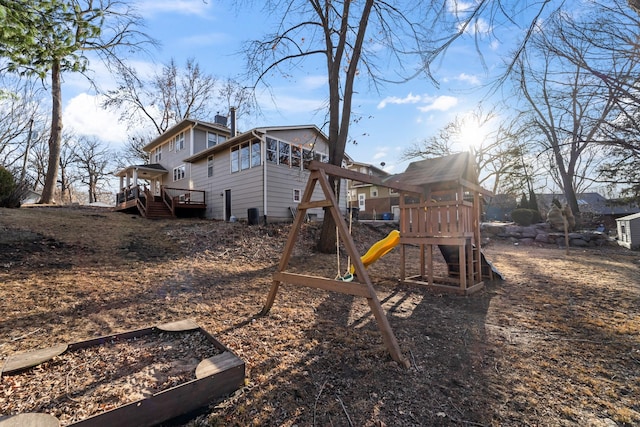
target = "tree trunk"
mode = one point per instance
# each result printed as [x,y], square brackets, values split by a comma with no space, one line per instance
[55,136]
[339,122]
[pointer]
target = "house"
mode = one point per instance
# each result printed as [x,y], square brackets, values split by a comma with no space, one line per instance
[206,169]
[629,231]
[369,200]
[30,197]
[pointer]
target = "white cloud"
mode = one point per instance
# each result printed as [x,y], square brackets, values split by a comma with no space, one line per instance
[182,7]
[83,116]
[409,99]
[464,77]
[381,153]
[314,82]
[441,103]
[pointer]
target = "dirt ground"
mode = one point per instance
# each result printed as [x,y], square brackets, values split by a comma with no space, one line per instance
[555,344]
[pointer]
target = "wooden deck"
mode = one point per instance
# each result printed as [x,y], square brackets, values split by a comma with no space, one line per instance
[172,203]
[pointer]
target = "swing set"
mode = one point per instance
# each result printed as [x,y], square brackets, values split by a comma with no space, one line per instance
[432,213]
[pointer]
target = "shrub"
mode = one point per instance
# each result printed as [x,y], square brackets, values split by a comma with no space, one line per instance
[522,217]
[11,192]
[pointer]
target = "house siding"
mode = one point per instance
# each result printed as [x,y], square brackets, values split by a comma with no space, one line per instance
[247,186]
[630,238]
[173,159]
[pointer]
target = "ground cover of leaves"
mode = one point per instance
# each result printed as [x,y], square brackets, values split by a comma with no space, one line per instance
[556,344]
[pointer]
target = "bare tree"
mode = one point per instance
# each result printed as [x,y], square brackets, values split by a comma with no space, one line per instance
[60,35]
[20,117]
[160,101]
[68,174]
[498,154]
[363,40]
[568,101]
[93,159]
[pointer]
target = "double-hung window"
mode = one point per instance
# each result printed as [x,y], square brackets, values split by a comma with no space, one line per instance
[179,172]
[210,166]
[179,141]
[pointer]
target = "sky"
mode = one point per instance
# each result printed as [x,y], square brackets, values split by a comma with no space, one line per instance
[213,34]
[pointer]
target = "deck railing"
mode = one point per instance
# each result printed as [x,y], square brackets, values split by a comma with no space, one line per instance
[437,219]
[182,198]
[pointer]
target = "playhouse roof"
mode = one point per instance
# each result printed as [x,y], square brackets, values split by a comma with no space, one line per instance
[458,169]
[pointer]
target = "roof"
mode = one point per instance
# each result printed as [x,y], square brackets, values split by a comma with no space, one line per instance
[374,169]
[629,217]
[457,168]
[592,202]
[144,171]
[181,126]
[247,136]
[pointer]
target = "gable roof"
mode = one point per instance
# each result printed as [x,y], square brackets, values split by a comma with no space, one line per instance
[247,136]
[459,169]
[144,171]
[181,126]
[629,217]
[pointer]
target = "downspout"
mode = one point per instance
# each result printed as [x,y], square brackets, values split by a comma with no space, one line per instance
[263,153]
[192,135]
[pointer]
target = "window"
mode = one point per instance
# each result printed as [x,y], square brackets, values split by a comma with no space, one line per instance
[157,154]
[172,145]
[179,173]
[255,154]
[284,153]
[307,156]
[361,201]
[374,191]
[212,139]
[235,159]
[272,150]
[210,166]
[297,195]
[296,156]
[244,156]
[321,157]
[179,141]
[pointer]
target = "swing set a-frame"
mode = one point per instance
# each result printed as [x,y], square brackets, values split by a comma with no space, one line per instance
[457,220]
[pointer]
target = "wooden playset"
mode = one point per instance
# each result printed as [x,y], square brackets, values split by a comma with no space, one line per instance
[439,206]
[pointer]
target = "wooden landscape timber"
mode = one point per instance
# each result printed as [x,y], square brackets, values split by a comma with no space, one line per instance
[213,378]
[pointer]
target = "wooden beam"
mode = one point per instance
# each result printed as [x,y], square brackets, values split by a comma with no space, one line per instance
[334,170]
[349,288]
[314,204]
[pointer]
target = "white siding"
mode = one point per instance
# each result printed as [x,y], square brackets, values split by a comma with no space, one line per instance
[629,232]
[248,186]
[173,159]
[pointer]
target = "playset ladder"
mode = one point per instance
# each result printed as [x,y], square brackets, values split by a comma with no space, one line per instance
[361,288]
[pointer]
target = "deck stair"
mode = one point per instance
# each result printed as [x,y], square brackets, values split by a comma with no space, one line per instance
[157,209]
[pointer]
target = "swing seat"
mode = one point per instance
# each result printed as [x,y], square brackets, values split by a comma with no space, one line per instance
[346,278]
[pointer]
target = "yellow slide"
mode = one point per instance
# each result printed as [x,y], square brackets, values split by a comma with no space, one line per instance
[379,249]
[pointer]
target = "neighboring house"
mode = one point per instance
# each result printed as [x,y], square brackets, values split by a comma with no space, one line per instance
[499,207]
[372,201]
[31,197]
[629,231]
[593,203]
[203,169]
